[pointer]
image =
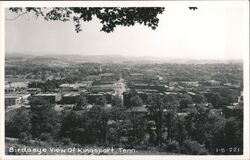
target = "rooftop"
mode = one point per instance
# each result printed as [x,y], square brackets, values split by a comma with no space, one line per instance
[103,85]
[46,94]
[15,95]
[107,74]
[137,109]
[136,74]
[71,94]
[191,93]
[68,85]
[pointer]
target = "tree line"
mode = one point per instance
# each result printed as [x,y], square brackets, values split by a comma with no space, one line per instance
[162,127]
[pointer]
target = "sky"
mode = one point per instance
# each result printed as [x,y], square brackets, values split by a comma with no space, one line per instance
[211,32]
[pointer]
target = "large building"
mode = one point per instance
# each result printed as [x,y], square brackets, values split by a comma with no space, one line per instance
[102,88]
[49,97]
[15,86]
[33,91]
[107,76]
[149,87]
[14,99]
[136,77]
[68,87]
[213,83]
[191,83]
[84,85]
[70,98]
[92,97]
[142,110]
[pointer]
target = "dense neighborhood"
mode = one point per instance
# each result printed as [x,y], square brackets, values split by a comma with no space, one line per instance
[169,108]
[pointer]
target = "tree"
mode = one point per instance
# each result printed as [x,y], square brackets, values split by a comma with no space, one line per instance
[180,133]
[233,134]
[101,101]
[19,126]
[136,101]
[81,102]
[97,124]
[199,98]
[117,102]
[109,17]
[170,107]
[193,148]
[44,119]
[136,128]
[215,132]
[185,99]
[215,99]
[155,107]
[74,126]
[197,123]
[117,115]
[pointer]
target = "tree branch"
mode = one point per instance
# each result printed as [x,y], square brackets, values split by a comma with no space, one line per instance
[12,19]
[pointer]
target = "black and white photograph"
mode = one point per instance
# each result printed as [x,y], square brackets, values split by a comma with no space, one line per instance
[166,79]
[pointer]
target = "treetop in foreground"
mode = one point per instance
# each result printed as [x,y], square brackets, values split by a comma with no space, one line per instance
[110,17]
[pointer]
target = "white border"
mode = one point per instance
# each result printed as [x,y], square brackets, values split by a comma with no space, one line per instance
[245,6]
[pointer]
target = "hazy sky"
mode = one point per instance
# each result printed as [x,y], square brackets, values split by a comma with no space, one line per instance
[211,32]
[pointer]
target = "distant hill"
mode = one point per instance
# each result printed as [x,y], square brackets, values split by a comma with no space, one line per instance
[50,61]
[12,60]
[66,60]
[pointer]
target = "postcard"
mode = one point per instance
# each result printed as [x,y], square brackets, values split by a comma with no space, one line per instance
[125,79]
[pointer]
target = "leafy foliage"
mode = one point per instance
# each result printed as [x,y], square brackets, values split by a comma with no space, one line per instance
[193,147]
[43,119]
[110,17]
[81,102]
[136,101]
[20,125]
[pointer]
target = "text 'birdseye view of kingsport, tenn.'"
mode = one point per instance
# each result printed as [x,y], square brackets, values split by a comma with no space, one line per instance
[101,102]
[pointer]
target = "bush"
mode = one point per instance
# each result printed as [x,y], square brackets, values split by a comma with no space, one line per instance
[140,147]
[18,125]
[24,136]
[46,137]
[171,146]
[66,141]
[193,148]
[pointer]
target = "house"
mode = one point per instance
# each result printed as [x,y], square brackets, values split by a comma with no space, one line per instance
[50,97]
[216,111]
[173,84]
[15,86]
[102,88]
[232,110]
[14,99]
[107,76]
[240,98]
[70,98]
[91,97]
[191,83]
[182,114]
[136,76]
[168,93]
[149,87]
[82,86]
[213,83]
[233,107]
[85,83]
[92,78]
[33,91]
[68,87]
[191,93]
[137,110]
